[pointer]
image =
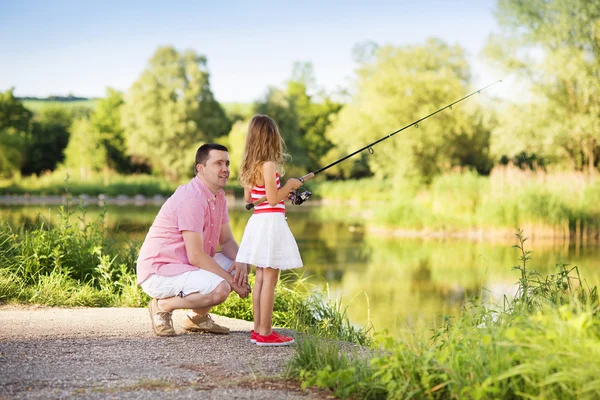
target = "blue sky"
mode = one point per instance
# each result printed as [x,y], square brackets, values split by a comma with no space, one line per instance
[60,47]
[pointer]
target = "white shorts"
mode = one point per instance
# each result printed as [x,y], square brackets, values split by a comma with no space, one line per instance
[200,281]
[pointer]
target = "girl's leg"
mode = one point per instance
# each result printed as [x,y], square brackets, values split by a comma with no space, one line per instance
[267,297]
[258,283]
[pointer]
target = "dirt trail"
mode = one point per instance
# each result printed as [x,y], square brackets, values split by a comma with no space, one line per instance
[98,353]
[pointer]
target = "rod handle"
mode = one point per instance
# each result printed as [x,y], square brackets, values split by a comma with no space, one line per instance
[250,206]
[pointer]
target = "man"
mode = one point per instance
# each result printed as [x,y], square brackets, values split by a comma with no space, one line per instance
[178,265]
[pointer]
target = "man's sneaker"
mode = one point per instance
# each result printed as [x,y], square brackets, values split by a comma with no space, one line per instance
[274,339]
[162,323]
[253,336]
[203,323]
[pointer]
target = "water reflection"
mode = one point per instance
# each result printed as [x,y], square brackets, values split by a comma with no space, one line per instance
[391,283]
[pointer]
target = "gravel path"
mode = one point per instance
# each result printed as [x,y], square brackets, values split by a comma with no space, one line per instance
[98,353]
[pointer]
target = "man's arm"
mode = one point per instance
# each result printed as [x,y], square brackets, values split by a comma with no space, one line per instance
[199,259]
[194,247]
[229,248]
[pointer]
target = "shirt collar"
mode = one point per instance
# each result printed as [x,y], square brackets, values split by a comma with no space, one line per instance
[202,188]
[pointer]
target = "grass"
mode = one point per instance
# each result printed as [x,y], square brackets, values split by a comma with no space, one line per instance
[299,306]
[563,206]
[543,343]
[38,105]
[110,185]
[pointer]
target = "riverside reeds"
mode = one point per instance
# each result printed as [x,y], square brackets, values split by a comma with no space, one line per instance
[546,205]
[543,343]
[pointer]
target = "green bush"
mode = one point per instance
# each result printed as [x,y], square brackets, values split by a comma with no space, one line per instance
[544,343]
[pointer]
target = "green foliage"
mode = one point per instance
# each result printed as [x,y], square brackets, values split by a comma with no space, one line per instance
[398,85]
[466,202]
[302,117]
[12,149]
[47,140]
[237,111]
[14,124]
[106,120]
[85,153]
[321,364]
[277,105]
[545,343]
[556,289]
[555,46]
[12,112]
[235,144]
[93,185]
[170,111]
[69,264]
[37,104]
[298,306]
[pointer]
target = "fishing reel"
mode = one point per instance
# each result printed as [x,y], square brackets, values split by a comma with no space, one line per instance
[297,197]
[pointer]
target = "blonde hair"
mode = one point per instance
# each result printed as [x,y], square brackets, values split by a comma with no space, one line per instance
[263,143]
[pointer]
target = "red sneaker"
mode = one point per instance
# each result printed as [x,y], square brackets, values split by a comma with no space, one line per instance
[253,336]
[274,339]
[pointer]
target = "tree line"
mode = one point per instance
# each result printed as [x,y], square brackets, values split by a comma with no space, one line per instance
[170,109]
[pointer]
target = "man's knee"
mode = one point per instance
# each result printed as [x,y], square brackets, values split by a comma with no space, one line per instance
[221,292]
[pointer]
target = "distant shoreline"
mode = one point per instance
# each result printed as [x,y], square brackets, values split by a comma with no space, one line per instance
[26,200]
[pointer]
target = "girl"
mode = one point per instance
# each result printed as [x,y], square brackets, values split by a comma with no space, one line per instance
[267,242]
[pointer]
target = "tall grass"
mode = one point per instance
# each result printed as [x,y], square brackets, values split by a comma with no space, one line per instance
[300,306]
[565,206]
[544,343]
[72,263]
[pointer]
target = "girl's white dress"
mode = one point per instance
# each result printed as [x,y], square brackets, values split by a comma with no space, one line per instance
[267,239]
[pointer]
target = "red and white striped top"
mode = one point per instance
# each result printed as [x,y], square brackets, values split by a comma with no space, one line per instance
[264,207]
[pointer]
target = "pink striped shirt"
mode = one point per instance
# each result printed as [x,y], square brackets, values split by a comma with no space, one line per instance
[264,207]
[192,207]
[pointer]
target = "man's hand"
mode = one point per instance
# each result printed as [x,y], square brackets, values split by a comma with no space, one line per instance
[243,291]
[240,273]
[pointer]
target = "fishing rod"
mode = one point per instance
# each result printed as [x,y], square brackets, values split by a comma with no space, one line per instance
[298,198]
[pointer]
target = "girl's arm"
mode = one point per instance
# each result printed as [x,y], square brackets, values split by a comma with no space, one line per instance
[247,195]
[274,196]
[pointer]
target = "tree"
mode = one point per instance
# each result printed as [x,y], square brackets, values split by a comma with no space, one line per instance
[399,85]
[236,142]
[278,105]
[303,114]
[14,124]
[47,139]
[170,110]
[85,152]
[12,112]
[314,111]
[554,45]
[106,121]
